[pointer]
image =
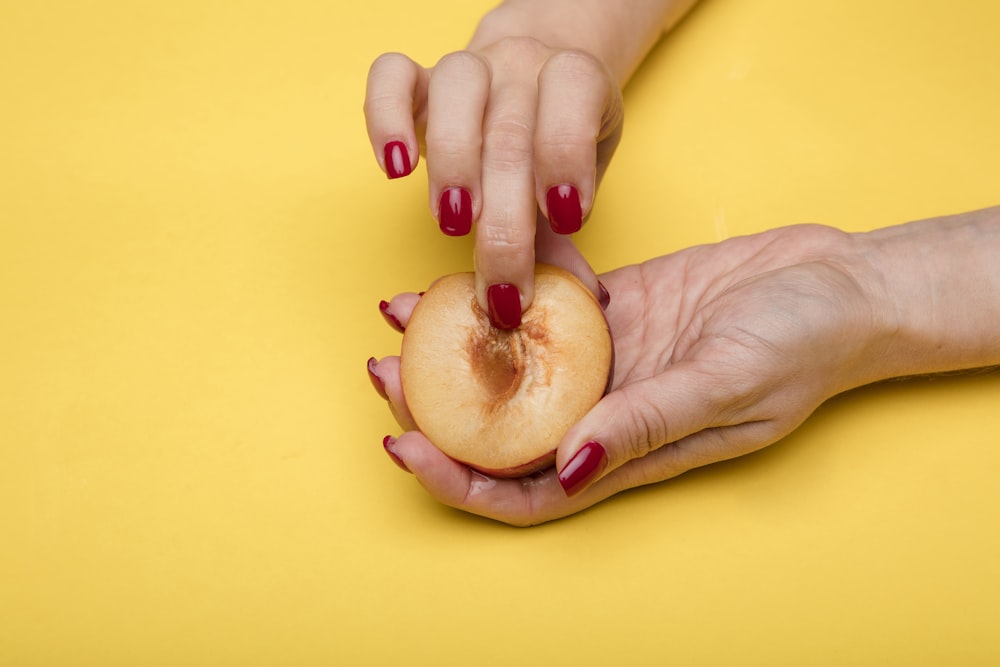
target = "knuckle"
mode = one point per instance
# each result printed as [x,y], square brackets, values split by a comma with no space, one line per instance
[575,62]
[567,146]
[391,66]
[449,158]
[508,142]
[517,47]
[500,235]
[389,60]
[451,149]
[388,90]
[644,428]
[389,102]
[462,64]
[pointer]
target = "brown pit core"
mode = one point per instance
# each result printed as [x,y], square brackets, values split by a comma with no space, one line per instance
[500,359]
[496,358]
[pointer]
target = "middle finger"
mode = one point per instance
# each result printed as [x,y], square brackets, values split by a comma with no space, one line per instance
[504,247]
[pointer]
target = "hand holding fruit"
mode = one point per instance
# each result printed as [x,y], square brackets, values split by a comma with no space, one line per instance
[719,350]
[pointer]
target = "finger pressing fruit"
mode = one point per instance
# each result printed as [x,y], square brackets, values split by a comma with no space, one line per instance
[501,401]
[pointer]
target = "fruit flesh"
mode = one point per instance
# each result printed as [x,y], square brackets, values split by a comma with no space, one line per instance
[500,401]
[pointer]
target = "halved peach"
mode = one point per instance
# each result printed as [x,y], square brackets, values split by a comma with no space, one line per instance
[501,401]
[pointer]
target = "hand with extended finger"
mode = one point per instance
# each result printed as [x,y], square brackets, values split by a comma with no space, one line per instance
[512,130]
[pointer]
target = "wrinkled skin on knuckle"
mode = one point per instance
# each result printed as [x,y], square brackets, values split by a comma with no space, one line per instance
[513,49]
[385,65]
[509,143]
[463,66]
[578,63]
[580,72]
[386,103]
[583,69]
[450,148]
[499,235]
[388,61]
[644,428]
[566,146]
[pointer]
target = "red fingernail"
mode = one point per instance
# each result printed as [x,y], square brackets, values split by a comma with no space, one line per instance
[565,214]
[383,307]
[376,380]
[387,443]
[505,305]
[605,298]
[585,465]
[455,212]
[397,160]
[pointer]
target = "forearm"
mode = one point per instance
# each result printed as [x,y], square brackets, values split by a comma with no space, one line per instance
[941,292]
[619,33]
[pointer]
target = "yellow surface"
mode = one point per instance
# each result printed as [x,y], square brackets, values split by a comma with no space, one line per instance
[193,241]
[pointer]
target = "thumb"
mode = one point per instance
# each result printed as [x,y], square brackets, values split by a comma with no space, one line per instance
[634,420]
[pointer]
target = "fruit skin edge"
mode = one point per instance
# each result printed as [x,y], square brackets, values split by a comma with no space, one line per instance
[547,460]
[543,462]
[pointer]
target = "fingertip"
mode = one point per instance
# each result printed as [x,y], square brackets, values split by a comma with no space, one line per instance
[396,160]
[389,445]
[396,87]
[505,299]
[563,208]
[444,478]
[458,91]
[578,121]
[455,211]
[377,382]
[503,302]
[389,317]
[584,467]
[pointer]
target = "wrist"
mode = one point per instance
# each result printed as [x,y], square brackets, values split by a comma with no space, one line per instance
[935,285]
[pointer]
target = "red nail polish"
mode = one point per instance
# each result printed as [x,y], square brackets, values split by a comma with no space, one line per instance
[565,214]
[455,212]
[387,443]
[397,160]
[585,465]
[383,307]
[504,302]
[376,380]
[605,298]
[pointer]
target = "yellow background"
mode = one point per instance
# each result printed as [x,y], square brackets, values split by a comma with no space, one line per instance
[194,237]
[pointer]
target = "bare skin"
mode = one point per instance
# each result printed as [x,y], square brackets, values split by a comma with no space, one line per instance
[720,349]
[724,349]
[533,103]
